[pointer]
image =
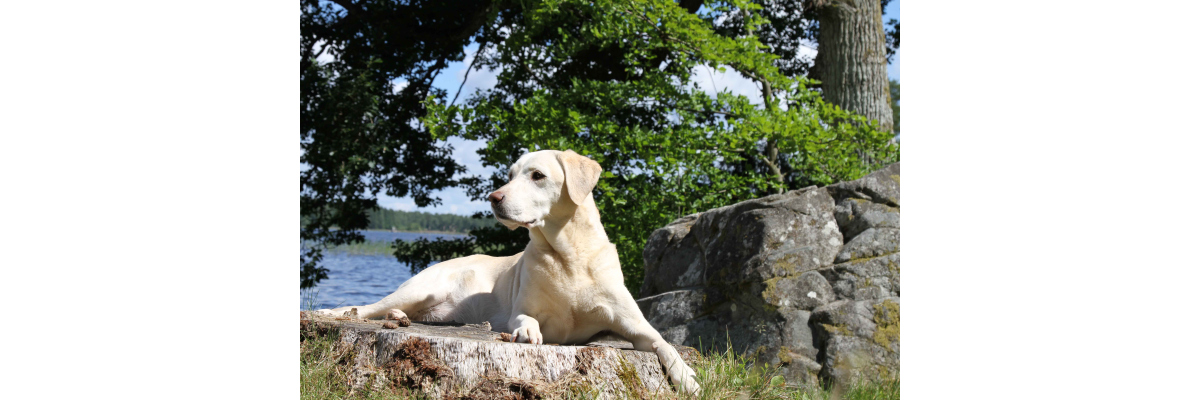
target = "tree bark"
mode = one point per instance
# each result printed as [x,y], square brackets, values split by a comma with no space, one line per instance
[448,360]
[852,58]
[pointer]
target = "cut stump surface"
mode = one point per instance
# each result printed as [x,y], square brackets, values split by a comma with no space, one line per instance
[455,360]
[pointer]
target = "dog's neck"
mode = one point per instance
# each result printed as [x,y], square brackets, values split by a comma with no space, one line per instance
[574,236]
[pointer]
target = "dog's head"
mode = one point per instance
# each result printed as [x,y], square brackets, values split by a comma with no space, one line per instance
[544,183]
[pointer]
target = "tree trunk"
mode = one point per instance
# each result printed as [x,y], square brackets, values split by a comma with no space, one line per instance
[852,58]
[448,360]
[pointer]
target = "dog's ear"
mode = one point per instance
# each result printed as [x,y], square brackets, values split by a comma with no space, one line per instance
[581,175]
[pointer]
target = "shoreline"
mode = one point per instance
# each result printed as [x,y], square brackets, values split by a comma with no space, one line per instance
[421,232]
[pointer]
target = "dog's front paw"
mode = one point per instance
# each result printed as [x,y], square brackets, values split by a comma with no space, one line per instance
[528,335]
[687,384]
[396,314]
[679,372]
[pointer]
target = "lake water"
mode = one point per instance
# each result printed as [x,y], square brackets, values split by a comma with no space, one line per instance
[356,280]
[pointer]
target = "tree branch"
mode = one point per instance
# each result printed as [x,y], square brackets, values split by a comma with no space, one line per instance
[482,47]
[772,159]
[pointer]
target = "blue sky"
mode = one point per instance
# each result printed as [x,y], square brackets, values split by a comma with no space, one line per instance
[455,201]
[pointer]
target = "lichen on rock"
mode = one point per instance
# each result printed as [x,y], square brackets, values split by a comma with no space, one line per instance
[887,323]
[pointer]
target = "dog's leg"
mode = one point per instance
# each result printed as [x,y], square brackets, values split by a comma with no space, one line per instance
[407,303]
[418,294]
[527,329]
[646,338]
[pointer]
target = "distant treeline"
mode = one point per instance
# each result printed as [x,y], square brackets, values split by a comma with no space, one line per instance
[416,221]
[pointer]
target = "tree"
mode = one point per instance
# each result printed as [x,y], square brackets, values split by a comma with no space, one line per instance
[791,26]
[852,57]
[359,128]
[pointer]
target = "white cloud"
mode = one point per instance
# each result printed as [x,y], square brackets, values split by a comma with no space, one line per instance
[327,55]
[465,155]
[712,81]
[393,203]
[805,51]
[454,200]
[398,85]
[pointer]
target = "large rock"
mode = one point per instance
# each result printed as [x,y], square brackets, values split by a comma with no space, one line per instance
[882,187]
[754,277]
[744,276]
[858,339]
[447,360]
[866,279]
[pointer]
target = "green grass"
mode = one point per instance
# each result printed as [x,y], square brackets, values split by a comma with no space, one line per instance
[375,248]
[729,375]
[365,248]
[323,374]
[309,297]
[369,248]
[323,361]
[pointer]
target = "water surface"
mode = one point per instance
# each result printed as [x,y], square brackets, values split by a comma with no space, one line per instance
[356,280]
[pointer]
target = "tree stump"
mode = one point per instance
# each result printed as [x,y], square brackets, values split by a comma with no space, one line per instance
[450,360]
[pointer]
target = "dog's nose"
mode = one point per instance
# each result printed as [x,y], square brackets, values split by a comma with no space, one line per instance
[496,197]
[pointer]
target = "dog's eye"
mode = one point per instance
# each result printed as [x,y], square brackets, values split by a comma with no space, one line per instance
[537,176]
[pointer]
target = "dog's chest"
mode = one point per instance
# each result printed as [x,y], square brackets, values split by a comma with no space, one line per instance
[571,305]
[573,315]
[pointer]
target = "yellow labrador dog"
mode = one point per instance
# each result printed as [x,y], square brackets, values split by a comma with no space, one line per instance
[564,288]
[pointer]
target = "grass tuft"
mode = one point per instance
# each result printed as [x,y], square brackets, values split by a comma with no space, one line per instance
[730,375]
[309,297]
